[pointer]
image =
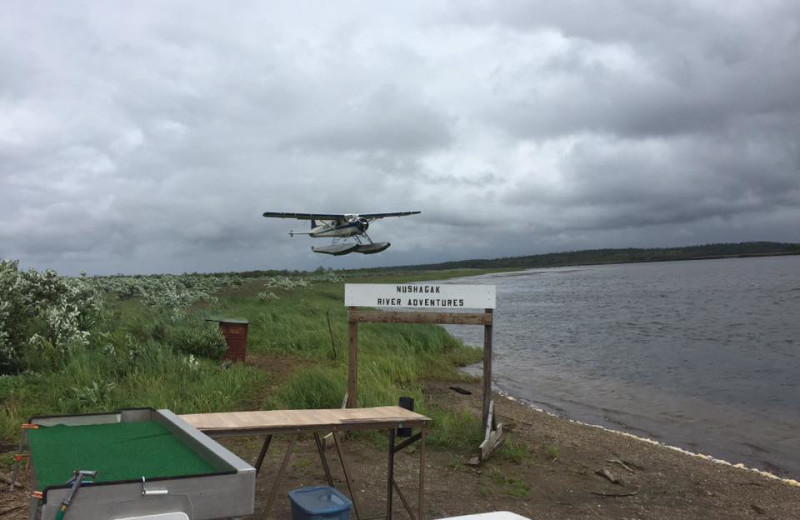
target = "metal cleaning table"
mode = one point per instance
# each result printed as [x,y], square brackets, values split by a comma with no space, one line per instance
[148,462]
[294,422]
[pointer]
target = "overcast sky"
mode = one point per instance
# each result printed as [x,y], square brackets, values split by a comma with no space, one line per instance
[142,137]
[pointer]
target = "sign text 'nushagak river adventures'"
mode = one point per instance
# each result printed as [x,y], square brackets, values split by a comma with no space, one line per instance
[420,295]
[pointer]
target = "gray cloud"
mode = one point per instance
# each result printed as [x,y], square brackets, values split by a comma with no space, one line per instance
[385,120]
[644,69]
[141,138]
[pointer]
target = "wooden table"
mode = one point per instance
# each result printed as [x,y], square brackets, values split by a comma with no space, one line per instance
[294,422]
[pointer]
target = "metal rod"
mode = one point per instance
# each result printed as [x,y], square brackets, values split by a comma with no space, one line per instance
[14,476]
[347,474]
[330,330]
[421,502]
[390,476]
[274,490]
[322,458]
[263,452]
[403,498]
[23,436]
[406,443]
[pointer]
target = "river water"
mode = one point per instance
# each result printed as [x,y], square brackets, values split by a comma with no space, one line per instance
[704,355]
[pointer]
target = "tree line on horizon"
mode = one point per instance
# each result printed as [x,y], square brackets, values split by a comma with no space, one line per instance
[567,258]
[620,256]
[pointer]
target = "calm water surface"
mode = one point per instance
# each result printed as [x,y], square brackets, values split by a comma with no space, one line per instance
[700,354]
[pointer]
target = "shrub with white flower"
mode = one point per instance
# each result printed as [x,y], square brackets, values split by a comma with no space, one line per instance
[265,296]
[285,282]
[166,291]
[192,363]
[321,275]
[42,314]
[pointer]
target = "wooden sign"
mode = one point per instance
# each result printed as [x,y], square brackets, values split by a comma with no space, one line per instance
[420,296]
[412,300]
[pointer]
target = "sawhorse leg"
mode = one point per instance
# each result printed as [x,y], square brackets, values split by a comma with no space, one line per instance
[263,453]
[285,463]
[390,475]
[391,483]
[421,499]
[321,451]
[347,474]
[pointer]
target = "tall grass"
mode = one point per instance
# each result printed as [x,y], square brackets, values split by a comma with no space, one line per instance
[135,359]
[393,359]
[381,382]
[142,356]
[159,378]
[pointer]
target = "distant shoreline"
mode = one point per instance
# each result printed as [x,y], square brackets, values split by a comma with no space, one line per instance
[713,257]
[613,256]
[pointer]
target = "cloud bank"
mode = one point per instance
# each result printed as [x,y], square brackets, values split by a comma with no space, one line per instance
[151,137]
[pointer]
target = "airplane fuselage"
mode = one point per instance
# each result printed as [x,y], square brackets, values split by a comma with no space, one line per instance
[344,229]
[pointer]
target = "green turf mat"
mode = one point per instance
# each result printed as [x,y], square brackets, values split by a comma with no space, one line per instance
[118,451]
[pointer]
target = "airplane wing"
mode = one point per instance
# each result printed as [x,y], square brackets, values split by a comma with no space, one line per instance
[336,216]
[375,216]
[304,216]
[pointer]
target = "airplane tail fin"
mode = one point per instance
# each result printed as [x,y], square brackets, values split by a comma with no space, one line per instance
[313,224]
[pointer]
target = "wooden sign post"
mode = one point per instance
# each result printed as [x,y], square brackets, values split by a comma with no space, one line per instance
[418,301]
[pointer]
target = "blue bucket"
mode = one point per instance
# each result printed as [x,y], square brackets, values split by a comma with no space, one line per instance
[319,503]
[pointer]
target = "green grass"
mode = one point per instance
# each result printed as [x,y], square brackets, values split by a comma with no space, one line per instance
[154,376]
[552,452]
[137,357]
[511,485]
[514,451]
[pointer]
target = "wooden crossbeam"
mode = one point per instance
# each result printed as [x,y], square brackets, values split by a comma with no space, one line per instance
[453,318]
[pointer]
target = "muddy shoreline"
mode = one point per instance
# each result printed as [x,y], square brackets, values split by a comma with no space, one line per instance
[554,468]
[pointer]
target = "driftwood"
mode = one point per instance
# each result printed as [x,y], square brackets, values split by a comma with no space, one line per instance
[612,495]
[607,474]
[621,463]
[474,461]
[493,436]
[7,511]
[7,480]
[459,390]
[508,418]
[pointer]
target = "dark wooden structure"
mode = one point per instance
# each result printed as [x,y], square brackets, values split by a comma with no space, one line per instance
[235,332]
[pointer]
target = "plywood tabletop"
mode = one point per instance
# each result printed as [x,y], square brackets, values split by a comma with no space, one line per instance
[277,421]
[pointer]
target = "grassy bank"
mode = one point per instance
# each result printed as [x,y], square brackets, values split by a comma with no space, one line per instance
[142,351]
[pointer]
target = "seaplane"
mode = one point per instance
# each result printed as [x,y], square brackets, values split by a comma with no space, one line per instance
[341,228]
